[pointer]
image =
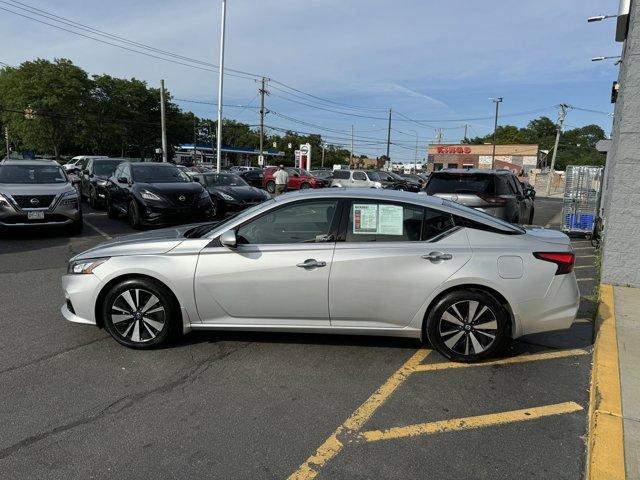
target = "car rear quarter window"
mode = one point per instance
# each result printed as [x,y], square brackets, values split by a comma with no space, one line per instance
[359,176]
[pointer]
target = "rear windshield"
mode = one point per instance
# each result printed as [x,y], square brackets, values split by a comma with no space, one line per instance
[460,183]
[341,174]
[32,174]
[105,168]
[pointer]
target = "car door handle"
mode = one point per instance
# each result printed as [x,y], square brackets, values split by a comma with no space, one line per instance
[311,263]
[437,256]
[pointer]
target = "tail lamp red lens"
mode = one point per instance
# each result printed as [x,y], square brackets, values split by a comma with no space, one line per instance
[564,260]
[492,198]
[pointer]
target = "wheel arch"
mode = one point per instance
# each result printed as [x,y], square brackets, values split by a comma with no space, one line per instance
[129,276]
[513,327]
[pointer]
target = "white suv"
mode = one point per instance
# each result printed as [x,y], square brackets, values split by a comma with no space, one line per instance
[356,178]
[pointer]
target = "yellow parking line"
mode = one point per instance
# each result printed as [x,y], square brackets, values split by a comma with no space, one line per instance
[583,266]
[334,444]
[468,423]
[606,441]
[504,361]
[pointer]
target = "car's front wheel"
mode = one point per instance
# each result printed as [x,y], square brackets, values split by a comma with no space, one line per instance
[134,215]
[271,187]
[467,325]
[140,313]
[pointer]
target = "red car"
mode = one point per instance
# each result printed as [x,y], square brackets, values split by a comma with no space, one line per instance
[299,179]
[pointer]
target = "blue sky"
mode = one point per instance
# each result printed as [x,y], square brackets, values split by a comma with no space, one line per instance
[429,60]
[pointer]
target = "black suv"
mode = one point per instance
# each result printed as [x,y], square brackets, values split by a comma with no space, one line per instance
[156,193]
[497,192]
[93,179]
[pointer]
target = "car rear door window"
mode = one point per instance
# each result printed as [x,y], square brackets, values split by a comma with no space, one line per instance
[359,176]
[302,222]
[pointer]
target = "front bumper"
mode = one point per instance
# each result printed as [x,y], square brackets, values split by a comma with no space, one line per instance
[80,293]
[61,213]
[151,214]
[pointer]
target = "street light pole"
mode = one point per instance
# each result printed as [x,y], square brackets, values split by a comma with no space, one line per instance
[163,123]
[497,101]
[220,84]
[561,116]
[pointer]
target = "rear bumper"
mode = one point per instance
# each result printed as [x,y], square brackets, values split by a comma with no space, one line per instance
[556,311]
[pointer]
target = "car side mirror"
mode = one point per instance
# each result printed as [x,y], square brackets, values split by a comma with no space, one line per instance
[228,239]
[122,180]
[196,179]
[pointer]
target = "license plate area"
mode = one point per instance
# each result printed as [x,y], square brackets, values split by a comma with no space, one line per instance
[35,215]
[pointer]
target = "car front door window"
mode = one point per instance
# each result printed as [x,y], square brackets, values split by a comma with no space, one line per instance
[304,222]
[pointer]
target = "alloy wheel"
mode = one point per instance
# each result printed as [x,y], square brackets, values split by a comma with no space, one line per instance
[138,315]
[468,327]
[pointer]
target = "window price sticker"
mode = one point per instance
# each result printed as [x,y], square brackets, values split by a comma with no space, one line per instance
[377,219]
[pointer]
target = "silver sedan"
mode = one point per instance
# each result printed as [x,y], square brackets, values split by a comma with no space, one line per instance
[346,261]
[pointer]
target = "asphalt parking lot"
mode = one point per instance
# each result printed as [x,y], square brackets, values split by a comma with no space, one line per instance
[75,404]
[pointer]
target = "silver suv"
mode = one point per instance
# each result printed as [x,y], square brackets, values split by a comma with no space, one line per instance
[356,178]
[37,193]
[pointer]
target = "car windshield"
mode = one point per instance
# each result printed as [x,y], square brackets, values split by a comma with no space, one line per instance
[32,174]
[300,171]
[203,230]
[159,174]
[460,183]
[104,169]
[225,180]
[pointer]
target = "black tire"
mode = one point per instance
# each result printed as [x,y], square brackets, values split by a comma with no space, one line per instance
[93,198]
[157,328]
[401,188]
[458,339]
[304,186]
[111,212]
[133,214]
[271,186]
[218,208]
[77,226]
[531,216]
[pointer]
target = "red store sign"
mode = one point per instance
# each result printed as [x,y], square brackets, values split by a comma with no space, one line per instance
[454,149]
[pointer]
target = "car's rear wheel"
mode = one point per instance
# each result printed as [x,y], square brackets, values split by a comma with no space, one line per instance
[467,325]
[134,215]
[304,186]
[271,187]
[111,211]
[140,313]
[401,188]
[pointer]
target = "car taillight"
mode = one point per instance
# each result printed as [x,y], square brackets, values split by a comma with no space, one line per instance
[491,198]
[563,260]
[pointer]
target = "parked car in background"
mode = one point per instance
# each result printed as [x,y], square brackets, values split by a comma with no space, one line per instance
[243,168]
[417,178]
[408,183]
[325,175]
[356,178]
[93,179]
[156,193]
[390,181]
[496,192]
[253,177]
[79,162]
[38,193]
[299,179]
[229,192]
[320,262]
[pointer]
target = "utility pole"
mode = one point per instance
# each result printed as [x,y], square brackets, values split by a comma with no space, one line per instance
[220,82]
[465,130]
[351,153]
[263,91]
[195,139]
[497,101]
[439,135]
[561,116]
[163,123]
[324,145]
[6,137]
[415,161]
[389,140]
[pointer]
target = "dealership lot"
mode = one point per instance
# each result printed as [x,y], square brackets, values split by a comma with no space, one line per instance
[256,405]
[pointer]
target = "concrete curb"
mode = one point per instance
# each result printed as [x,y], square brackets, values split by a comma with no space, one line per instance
[605,450]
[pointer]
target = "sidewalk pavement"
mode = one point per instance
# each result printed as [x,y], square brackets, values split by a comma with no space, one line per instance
[614,410]
[627,310]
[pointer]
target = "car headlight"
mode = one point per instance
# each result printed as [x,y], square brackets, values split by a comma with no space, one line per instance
[227,197]
[147,195]
[70,198]
[85,266]
[102,183]
[71,193]
[4,200]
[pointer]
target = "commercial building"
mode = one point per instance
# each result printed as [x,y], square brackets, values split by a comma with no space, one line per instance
[512,157]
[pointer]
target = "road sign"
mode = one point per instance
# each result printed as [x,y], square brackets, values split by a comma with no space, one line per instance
[260,160]
[296,162]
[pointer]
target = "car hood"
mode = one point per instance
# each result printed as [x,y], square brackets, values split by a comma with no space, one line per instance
[240,193]
[169,188]
[35,188]
[154,242]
